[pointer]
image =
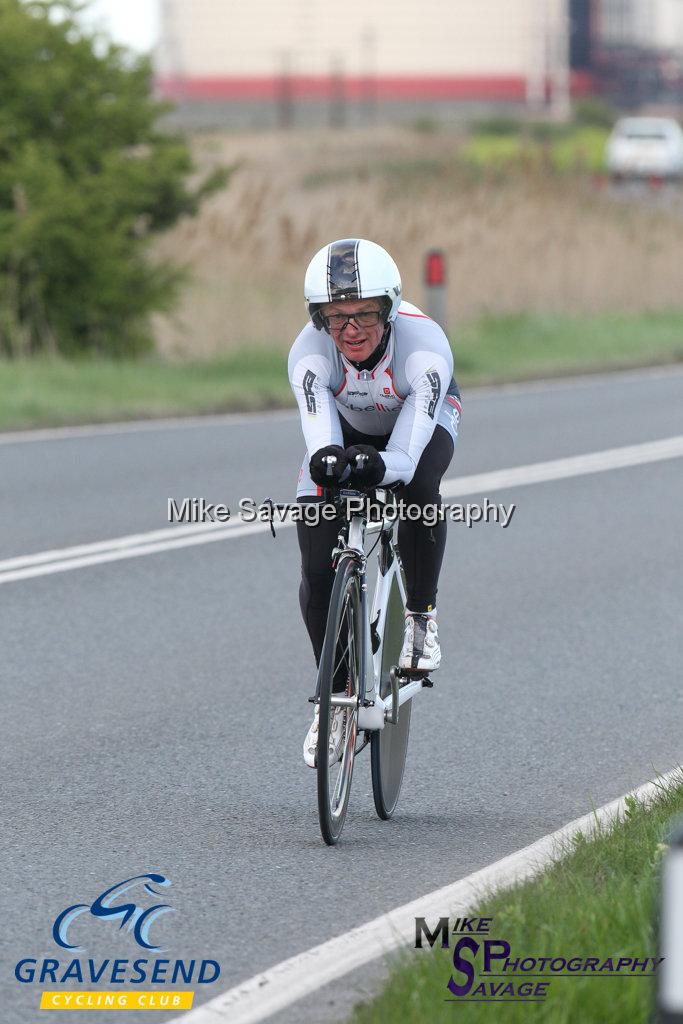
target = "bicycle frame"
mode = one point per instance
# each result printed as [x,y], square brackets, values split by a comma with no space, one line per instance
[373,710]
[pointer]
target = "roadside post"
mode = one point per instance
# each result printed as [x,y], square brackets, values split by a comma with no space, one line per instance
[435,286]
[670,973]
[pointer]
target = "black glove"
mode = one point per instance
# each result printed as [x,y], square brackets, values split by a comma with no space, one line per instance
[321,473]
[373,470]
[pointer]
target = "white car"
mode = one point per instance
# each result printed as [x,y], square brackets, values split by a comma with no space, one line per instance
[645,147]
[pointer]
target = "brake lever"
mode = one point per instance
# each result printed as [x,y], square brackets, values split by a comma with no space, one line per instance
[271,504]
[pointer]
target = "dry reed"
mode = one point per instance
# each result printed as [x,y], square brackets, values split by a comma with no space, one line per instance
[519,240]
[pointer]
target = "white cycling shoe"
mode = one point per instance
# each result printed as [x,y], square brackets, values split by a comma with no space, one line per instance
[421,651]
[336,738]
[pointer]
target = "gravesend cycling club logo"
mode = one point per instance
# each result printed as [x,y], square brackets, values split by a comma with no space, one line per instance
[138,919]
[134,908]
[485,969]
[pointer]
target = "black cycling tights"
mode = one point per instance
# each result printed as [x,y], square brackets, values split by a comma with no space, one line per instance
[421,546]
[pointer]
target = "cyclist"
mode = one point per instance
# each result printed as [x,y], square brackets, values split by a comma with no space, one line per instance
[373,375]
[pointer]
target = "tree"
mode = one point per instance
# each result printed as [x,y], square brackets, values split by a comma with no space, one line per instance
[86,179]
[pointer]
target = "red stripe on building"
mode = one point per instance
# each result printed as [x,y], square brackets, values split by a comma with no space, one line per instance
[322,87]
[583,83]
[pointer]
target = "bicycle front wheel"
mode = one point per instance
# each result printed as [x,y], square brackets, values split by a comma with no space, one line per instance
[340,666]
[389,746]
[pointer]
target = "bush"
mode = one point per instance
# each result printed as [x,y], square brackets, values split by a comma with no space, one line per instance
[497,126]
[548,131]
[594,112]
[85,181]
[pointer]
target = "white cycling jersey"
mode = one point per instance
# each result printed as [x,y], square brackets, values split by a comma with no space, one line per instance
[405,395]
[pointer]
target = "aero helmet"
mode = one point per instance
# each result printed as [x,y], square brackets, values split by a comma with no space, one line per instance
[351,268]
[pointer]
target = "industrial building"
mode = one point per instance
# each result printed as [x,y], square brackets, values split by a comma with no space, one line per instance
[267,59]
[657,24]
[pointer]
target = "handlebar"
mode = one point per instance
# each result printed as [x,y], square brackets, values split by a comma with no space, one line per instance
[331,461]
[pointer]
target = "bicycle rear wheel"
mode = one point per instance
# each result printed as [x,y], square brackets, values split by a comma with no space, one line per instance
[389,746]
[340,659]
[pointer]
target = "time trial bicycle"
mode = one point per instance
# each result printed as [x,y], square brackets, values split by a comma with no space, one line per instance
[358,668]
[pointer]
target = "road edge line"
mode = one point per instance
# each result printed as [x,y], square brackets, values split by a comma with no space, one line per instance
[286,983]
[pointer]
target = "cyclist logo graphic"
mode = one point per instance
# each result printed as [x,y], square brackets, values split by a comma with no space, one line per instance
[138,918]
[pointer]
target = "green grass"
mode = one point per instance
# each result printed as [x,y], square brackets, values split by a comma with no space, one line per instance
[581,148]
[48,392]
[499,146]
[599,901]
[525,345]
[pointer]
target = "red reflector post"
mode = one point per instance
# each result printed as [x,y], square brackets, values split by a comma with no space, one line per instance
[435,269]
[435,286]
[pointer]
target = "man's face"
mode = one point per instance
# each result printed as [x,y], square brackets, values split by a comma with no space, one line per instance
[353,340]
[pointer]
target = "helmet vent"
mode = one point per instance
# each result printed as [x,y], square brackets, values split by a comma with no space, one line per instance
[343,279]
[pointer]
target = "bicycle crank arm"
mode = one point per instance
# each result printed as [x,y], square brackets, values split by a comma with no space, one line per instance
[362,744]
[408,690]
[404,687]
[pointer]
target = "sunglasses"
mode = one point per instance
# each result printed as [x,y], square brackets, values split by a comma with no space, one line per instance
[338,321]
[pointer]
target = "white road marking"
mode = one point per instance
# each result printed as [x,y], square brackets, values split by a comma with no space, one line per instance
[45,563]
[171,533]
[286,983]
[561,469]
[117,551]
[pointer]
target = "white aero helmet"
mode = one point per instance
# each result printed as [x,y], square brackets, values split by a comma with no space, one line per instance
[351,268]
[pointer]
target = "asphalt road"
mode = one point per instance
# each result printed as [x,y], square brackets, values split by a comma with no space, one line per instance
[154,708]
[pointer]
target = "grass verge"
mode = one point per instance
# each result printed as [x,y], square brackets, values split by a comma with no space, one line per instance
[526,345]
[50,392]
[599,901]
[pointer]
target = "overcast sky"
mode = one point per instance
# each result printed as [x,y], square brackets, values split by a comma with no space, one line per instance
[133,22]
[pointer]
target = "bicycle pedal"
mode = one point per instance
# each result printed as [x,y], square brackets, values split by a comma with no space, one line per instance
[407,675]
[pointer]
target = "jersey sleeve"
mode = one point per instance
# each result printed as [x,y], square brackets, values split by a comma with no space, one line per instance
[310,376]
[428,374]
